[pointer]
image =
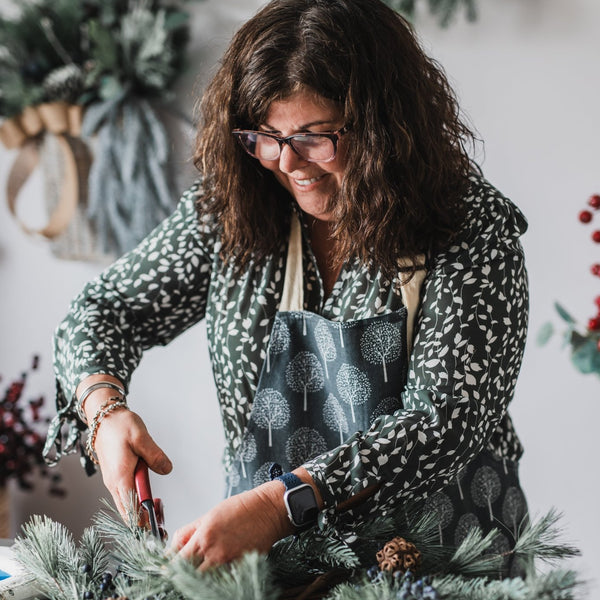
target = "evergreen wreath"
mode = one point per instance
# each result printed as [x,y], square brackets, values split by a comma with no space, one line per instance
[118,59]
[120,560]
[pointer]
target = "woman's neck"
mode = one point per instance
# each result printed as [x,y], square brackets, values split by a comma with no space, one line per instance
[323,247]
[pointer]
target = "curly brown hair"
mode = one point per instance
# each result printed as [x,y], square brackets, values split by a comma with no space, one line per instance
[407,164]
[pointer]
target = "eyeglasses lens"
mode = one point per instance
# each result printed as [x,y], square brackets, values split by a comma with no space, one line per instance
[313,148]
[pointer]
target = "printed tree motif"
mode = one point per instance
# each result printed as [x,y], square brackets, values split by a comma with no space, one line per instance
[233,478]
[353,386]
[513,508]
[381,343]
[270,411]
[465,525]
[386,407]
[304,374]
[485,488]
[334,416]
[304,444]
[262,474]
[247,452]
[279,341]
[325,344]
[441,505]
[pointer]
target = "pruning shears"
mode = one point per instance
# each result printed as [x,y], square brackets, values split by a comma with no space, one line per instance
[153,506]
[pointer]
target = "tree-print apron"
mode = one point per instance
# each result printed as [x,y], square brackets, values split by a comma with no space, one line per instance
[324,380]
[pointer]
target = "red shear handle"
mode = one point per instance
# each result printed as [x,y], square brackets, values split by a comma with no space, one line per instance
[142,481]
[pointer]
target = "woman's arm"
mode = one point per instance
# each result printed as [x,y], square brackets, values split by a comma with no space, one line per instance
[463,369]
[146,298]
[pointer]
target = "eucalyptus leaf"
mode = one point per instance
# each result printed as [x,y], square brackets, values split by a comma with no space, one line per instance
[584,357]
[545,333]
[564,314]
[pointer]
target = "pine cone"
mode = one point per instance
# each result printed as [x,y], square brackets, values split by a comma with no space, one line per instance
[65,83]
[399,555]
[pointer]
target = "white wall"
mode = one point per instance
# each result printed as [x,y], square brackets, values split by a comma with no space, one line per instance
[527,76]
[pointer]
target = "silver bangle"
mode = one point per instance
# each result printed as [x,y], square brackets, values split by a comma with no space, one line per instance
[93,388]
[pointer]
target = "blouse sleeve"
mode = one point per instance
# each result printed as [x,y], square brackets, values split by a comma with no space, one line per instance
[469,343]
[145,299]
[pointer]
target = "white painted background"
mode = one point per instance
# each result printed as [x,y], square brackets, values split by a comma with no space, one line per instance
[527,75]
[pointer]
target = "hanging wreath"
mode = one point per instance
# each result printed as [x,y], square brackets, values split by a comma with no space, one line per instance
[443,10]
[97,75]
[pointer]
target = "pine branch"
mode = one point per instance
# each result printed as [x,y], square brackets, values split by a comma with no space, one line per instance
[94,553]
[472,557]
[540,540]
[247,579]
[48,552]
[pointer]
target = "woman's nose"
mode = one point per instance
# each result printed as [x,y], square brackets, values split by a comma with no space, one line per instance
[289,160]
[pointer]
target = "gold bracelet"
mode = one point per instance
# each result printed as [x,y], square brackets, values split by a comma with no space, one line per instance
[110,405]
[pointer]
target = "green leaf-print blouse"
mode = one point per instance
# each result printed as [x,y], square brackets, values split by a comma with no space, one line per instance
[470,335]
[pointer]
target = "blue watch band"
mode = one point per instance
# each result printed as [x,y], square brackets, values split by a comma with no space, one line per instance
[289,480]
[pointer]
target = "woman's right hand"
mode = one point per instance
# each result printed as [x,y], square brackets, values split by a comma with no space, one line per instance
[121,439]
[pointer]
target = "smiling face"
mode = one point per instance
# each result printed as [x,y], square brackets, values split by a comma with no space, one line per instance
[311,183]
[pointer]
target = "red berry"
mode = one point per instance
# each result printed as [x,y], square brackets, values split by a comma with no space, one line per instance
[594,324]
[596,269]
[597,301]
[596,236]
[585,216]
[594,201]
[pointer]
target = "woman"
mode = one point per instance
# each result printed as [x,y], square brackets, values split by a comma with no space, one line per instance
[337,202]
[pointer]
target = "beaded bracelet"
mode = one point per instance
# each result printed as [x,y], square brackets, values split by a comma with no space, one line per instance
[92,388]
[110,405]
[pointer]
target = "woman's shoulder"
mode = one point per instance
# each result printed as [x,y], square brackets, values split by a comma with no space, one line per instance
[493,225]
[205,222]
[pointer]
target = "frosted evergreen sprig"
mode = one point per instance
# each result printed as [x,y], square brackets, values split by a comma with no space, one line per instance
[540,540]
[147,570]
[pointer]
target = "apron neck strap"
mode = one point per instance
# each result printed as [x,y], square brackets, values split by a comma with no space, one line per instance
[292,297]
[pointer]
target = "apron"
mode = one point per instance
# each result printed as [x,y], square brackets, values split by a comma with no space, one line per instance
[324,380]
[321,380]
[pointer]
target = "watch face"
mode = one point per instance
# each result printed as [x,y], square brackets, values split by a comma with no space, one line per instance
[302,505]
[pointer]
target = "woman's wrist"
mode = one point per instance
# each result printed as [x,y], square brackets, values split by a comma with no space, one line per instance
[96,397]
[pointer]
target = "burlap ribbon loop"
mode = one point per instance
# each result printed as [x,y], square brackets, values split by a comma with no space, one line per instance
[26,132]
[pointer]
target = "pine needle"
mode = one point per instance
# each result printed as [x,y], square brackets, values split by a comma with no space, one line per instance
[540,540]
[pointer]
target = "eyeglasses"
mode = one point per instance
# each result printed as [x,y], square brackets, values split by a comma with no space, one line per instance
[312,147]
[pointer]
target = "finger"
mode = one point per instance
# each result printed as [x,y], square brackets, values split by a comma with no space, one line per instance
[154,456]
[182,536]
[192,552]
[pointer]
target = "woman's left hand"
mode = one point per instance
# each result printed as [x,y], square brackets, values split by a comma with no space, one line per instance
[252,520]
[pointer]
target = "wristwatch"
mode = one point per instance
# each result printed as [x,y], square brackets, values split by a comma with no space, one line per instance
[299,498]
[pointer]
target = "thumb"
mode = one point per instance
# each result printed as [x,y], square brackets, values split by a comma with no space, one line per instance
[155,458]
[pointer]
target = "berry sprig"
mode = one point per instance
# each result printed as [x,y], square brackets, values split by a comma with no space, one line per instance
[586,216]
[406,585]
[22,436]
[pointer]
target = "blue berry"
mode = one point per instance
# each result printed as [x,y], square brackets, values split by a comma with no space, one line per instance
[372,572]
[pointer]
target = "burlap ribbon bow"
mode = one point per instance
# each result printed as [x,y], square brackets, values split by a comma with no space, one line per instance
[26,132]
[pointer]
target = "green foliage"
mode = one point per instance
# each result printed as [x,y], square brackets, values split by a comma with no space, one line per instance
[148,569]
[443,10]
[584,343]
[133,45]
